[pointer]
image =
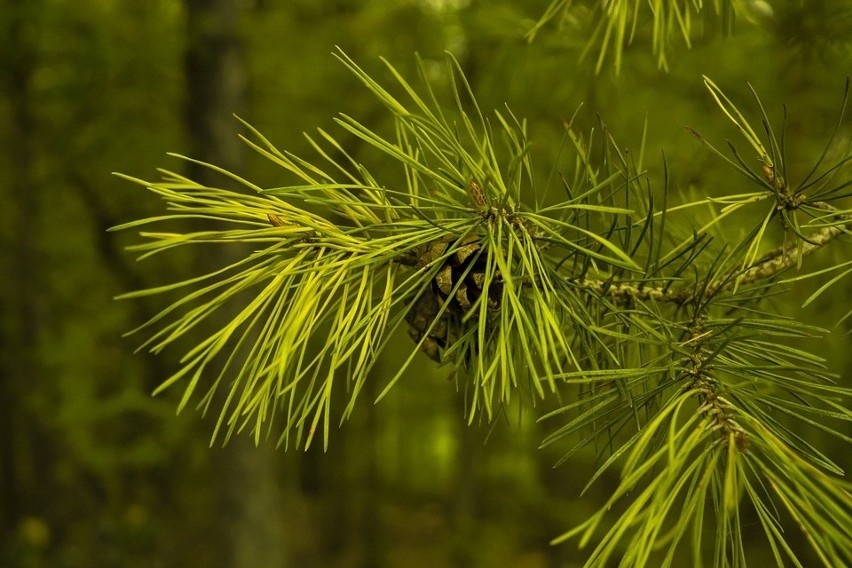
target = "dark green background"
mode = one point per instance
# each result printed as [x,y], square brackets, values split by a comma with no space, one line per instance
[96,472]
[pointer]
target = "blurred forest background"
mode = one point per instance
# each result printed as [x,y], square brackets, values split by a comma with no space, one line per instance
[96,472]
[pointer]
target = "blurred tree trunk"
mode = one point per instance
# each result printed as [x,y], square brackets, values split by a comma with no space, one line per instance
[22,451]
[373,530]
[250,514]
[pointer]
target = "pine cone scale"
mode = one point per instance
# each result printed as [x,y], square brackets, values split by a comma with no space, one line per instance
[457,284]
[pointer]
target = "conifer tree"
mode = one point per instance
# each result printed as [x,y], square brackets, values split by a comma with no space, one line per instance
[597,286]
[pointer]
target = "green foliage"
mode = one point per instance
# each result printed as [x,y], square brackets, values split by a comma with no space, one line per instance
[684,377]
[350,282]
[614,24]
[92,467]
[815,28]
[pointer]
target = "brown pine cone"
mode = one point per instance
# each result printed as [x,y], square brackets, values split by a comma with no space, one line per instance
[462,271]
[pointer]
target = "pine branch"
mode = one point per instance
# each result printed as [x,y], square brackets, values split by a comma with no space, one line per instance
[615,24]
[520,293]
[771,264]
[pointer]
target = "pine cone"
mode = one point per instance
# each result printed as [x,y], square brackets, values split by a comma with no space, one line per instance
[451,275]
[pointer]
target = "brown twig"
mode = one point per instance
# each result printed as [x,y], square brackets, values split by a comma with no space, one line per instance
[772,263]
[713,405]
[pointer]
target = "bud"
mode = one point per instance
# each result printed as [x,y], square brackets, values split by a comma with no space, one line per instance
[477,194]
[275,220]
